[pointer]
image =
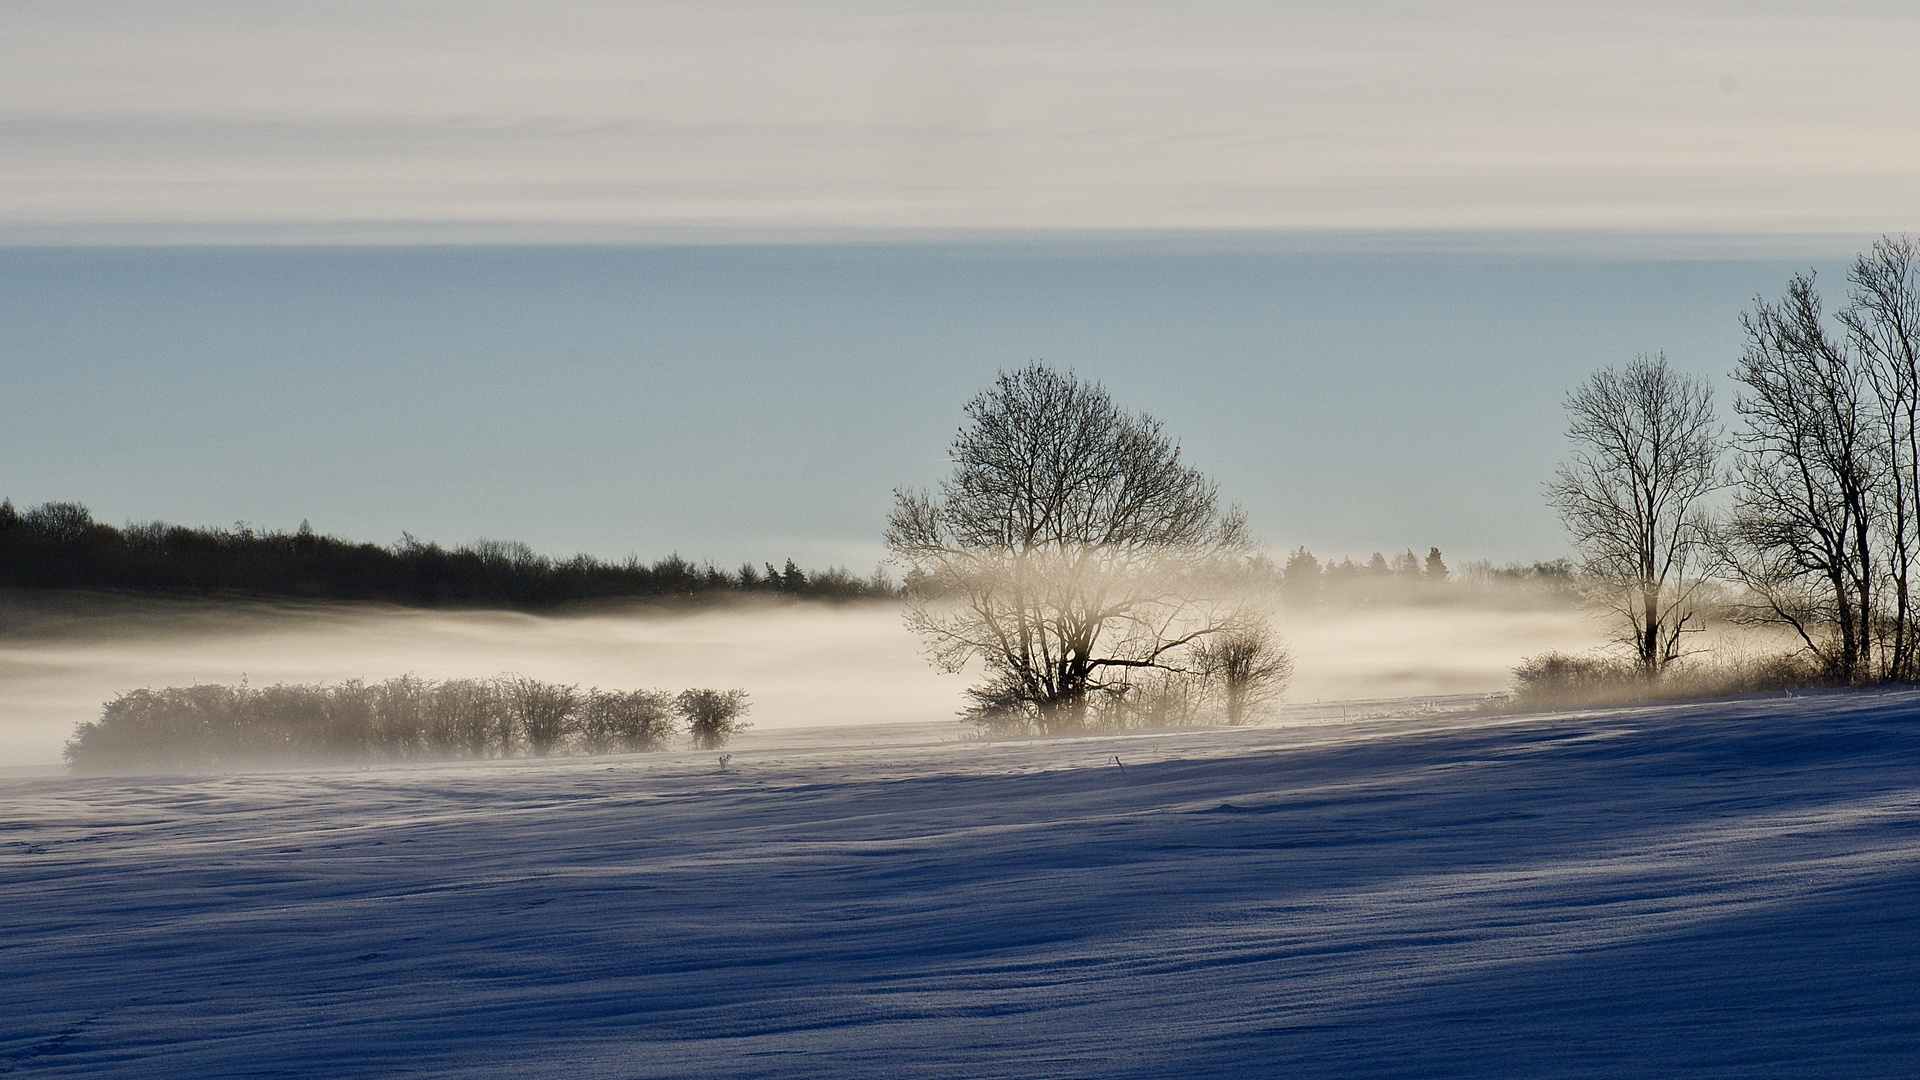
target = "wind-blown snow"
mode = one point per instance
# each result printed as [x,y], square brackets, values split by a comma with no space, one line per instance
[1726,889]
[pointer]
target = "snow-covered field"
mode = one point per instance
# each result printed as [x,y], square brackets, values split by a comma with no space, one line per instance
[1725,889]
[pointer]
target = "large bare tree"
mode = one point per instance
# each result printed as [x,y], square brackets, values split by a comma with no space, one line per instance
[1801,531]
[1646,454]
[1882,319]
[1824,527]
[1070,548]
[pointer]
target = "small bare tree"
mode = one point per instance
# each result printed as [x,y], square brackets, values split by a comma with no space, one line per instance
[1646,456]
[713,716]
[1248,665]
[1070,548]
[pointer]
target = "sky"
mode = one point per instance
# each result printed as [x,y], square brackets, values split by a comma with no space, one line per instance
[595,119]
[715,278]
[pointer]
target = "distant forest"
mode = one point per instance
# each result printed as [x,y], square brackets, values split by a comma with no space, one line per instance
[60,546]
[1307,583]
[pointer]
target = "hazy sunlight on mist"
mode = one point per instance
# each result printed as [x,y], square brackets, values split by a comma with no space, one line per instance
[806,665]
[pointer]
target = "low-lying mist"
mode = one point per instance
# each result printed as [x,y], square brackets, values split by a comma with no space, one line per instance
[1458,648]
[806,664]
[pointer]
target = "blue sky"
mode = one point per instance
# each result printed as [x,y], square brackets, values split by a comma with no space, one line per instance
[754,402]
[715,278]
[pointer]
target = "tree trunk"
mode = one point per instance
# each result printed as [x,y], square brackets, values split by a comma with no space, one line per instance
[1650,651]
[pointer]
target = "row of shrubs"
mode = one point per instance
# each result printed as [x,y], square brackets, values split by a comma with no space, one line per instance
[1559,679]
[408,718]
[61,546]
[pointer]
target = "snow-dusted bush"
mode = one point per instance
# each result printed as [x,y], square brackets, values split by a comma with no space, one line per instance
[713,716]
[464,717]
[1726,672]
[175,726]
[612,720]
[544,711]
[1152,700]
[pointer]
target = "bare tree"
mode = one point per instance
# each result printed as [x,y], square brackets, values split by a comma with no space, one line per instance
[1646,454]
[1882,320]
[1801,535]
[713,716]
[1070,547]
[1249,666]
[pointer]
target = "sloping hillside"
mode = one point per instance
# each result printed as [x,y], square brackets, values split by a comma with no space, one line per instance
[1723,889]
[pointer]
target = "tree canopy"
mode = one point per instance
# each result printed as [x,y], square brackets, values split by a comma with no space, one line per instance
[1646,458]
[1071,550]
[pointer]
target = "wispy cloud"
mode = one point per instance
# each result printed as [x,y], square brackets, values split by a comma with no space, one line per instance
[681,119]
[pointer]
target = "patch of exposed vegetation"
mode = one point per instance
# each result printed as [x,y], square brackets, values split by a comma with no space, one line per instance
[1557,679]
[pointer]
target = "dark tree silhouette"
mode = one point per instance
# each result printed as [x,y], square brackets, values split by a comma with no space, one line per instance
[1646,454]
[1800,528]
[1882,320]
[1301,580]
[60,546]
[1824,525]
[1070,548]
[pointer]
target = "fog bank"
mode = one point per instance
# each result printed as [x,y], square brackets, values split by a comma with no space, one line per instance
[1406,651]
[805,664]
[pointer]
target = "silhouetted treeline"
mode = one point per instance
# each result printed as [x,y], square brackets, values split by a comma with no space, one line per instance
[1306,582]
[403,719]
[61,546]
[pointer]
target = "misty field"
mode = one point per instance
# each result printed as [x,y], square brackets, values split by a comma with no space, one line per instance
[1715,889]
[807,665]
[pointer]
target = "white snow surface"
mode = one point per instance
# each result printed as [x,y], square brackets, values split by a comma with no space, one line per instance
[1726,889]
